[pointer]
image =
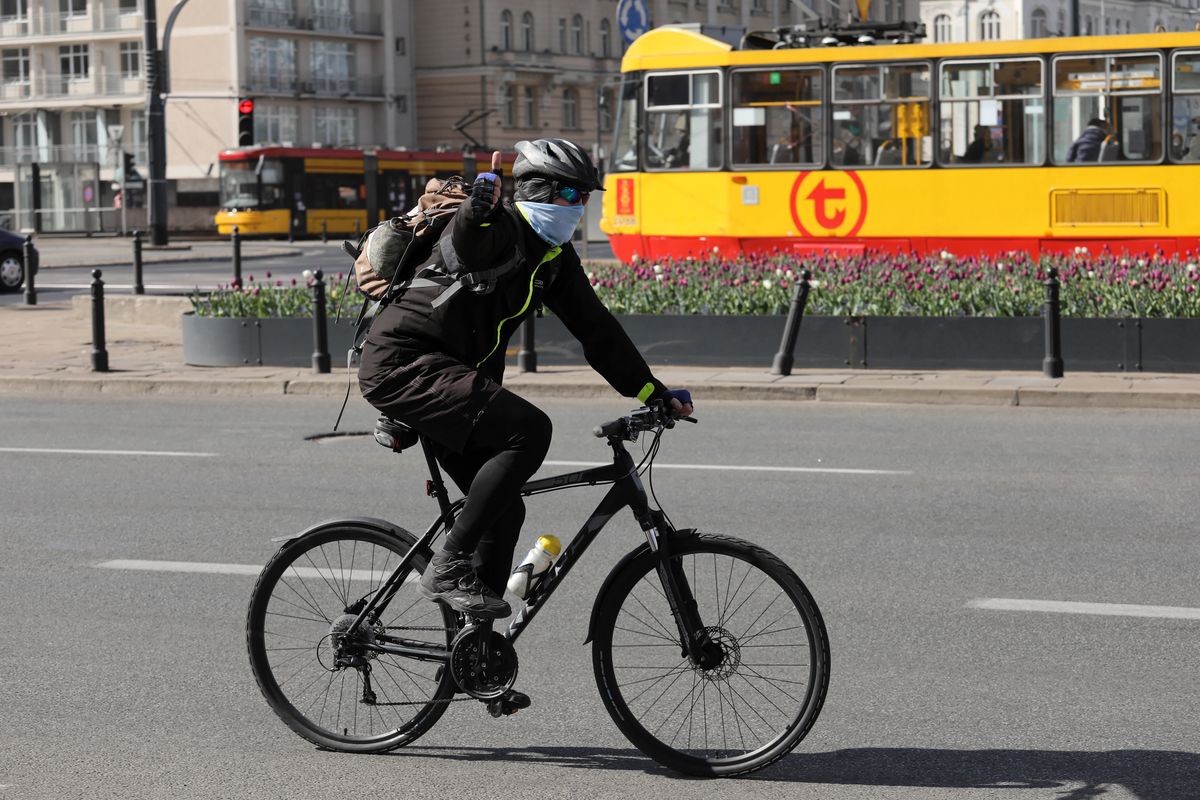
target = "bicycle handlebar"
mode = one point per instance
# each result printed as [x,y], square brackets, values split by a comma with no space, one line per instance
[646,418]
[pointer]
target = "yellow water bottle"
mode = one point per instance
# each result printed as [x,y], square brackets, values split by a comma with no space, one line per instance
[526,577]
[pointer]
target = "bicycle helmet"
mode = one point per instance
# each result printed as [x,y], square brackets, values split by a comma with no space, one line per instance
[555,160]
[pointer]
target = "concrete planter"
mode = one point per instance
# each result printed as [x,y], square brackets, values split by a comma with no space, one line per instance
[1015,343]
[245,341]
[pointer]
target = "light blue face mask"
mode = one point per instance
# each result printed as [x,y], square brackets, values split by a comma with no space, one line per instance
[553,223]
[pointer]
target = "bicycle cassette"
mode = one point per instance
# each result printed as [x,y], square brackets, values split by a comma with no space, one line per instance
[480,677]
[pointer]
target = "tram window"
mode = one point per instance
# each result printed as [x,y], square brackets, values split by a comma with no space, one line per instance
[247,184]
[992,112]
[777,117]
[683,121]
[1108,108]
[881,116]
[334,191]
[1185,110]
[624,151]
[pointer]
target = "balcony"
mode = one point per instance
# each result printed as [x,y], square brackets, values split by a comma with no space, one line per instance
[319,85]
[54,87]
[57,24]
[304,18]
[65,153]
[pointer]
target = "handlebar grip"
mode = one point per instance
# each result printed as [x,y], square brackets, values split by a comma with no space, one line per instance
[613,428]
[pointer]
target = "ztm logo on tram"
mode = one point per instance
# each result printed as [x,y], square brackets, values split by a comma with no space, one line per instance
[828,203]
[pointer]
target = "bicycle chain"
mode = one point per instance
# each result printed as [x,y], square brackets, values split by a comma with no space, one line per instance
[430,701]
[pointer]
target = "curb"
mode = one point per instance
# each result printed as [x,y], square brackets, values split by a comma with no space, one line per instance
[81,386]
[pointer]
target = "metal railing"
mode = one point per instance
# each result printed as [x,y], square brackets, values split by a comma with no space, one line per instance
[321,85]
[52,85]
[66,153]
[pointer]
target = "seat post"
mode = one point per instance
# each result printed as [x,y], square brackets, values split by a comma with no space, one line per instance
[436,484]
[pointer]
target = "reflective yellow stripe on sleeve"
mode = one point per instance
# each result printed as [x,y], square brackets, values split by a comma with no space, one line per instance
[645,393]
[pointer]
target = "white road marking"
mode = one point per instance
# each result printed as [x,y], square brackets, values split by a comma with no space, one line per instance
[1105,609]
[63,451]
[208,568]
[736,468]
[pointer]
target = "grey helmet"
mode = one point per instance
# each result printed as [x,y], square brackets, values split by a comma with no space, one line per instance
[557,160]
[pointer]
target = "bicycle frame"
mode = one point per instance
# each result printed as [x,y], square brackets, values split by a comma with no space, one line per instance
[627,490]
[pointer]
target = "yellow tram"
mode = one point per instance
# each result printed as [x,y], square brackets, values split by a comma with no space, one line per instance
[267,191]
[790,143]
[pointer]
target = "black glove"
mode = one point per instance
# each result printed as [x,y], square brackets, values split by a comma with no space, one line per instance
[483,194]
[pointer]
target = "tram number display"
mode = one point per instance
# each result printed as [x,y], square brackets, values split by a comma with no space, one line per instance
[828,203]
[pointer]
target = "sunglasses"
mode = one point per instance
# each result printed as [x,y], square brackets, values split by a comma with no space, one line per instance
[572,195]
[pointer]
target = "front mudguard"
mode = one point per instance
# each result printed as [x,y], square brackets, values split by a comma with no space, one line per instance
[641,551]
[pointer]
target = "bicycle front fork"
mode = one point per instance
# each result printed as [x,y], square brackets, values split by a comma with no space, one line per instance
[696,643]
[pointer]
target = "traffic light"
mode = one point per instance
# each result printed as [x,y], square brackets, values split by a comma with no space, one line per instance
[127,167]
[245,109]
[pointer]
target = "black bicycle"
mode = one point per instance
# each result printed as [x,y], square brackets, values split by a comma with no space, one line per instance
[709,653]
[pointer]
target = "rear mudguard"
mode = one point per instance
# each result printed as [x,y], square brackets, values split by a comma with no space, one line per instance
[640,551]
[380,525]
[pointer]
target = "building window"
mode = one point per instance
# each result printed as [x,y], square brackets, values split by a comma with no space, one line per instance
[570,108]
[941,28]
[508,106]
[577,34]
[527,32]
[276,123]
[506,24]
[401,46]
[989,26]
[272,63]
[605,38]
[605,122]
[332,15]
[25,134]
[128,6]
[83,135]
[73,61]
[14,65]
[529,106]
[13,9]
[131,59]
[562,35]
[758,6]
[337,126]
[1062,22]
[332,66]
[1037,24]
[73,8]
[402,103]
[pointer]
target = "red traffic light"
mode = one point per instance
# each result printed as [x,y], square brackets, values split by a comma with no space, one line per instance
[246,107]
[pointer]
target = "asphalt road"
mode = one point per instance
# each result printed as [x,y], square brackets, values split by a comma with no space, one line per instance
[135,684]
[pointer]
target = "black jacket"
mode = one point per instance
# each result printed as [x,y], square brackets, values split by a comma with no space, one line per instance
[1087,146]
[475,328]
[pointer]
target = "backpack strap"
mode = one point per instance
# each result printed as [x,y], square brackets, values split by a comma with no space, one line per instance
[480,281]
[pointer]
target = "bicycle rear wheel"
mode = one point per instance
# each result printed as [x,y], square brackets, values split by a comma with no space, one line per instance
[745,712]
[302,597]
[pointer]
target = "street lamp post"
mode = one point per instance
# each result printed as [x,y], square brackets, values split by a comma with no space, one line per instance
[157,88]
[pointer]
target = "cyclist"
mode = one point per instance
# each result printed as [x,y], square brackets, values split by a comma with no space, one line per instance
[434,359]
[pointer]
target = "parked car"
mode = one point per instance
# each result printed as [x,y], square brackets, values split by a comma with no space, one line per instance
[12,261]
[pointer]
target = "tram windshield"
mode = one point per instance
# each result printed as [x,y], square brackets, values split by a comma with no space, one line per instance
[624,151]
[251,184]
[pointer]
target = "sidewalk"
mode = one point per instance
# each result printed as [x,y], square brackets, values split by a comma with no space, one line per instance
[47,350]
[101,251]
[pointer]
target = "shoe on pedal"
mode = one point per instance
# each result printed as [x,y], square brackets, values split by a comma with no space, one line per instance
[508,703]
[451,579]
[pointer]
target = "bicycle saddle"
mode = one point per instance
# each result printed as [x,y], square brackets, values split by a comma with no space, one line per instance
[394,435]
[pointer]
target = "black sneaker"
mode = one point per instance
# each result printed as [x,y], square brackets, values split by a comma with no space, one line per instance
[452,580]
[508,703]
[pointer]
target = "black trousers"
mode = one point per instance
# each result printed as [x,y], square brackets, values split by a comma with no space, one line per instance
[487,439]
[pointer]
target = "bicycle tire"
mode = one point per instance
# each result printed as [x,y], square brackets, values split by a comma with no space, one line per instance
[306,634]
[614,686]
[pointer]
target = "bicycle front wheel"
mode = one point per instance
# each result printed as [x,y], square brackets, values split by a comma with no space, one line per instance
[305,599]
[741,714]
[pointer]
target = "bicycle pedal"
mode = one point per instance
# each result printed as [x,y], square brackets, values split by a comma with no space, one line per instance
[500,708]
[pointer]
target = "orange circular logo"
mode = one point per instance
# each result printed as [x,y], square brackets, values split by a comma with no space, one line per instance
[829,203]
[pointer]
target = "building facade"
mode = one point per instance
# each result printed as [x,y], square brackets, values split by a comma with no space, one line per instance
[982,20]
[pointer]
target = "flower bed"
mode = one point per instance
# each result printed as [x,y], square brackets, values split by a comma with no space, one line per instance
[273,299]
[899,285]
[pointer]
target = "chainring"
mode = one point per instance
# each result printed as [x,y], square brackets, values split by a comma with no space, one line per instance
[469,673]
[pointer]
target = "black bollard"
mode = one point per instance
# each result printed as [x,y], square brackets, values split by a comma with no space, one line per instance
[1052,364]
[527,355]
[357,225]
[292,231]
[236,238]
[30,269]
[99,352]
[138,288]
[320,356]
[782,365]
[324,230]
